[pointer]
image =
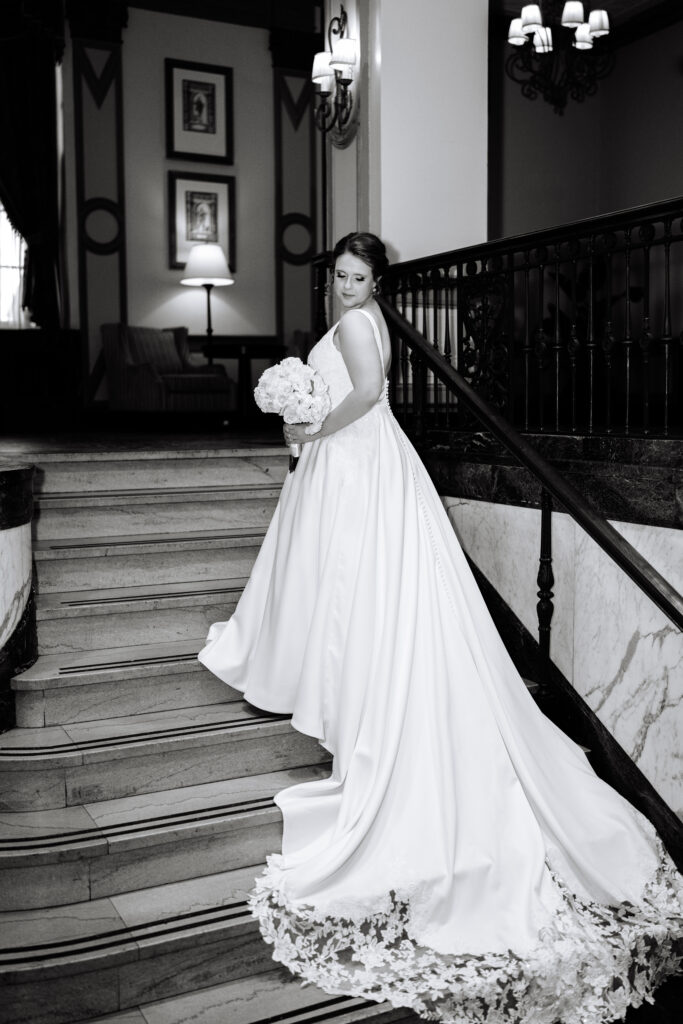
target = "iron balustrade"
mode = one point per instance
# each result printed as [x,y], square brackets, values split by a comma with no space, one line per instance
[425,359]
[575,329]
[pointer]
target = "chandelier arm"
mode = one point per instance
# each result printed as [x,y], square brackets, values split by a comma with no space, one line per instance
[326,115]
[337,26]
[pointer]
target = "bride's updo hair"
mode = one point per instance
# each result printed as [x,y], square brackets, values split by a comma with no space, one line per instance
[367,247]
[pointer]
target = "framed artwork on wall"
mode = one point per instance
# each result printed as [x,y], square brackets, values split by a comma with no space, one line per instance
[201,208]
[199,112]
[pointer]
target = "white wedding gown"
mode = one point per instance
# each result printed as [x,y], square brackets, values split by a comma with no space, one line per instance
[463,859]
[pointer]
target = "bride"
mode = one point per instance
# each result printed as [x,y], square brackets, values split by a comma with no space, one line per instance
[462,859]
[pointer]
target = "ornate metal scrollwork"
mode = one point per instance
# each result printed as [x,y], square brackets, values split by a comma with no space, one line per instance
[484,357]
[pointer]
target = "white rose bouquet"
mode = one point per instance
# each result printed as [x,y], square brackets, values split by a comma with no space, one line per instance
[295,391]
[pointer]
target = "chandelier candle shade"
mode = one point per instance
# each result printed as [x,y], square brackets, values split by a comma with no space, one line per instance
[333,73]
[207,266]
[571,72]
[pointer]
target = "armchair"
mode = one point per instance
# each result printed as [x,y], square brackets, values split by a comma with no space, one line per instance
[152,370]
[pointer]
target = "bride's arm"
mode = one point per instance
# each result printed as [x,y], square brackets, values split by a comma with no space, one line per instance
[363,365]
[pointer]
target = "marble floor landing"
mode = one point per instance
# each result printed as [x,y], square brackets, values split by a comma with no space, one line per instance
[104,442]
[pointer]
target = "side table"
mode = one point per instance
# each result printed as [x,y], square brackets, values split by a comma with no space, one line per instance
[243,348]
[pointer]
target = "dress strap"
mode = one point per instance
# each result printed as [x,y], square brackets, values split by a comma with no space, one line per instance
[375,330]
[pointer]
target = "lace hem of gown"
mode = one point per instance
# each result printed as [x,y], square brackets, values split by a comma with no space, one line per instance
[590,965]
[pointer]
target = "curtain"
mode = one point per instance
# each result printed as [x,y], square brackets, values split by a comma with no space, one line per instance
[30,39]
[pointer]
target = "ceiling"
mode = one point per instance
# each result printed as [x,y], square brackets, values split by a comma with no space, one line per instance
[629,18]
[620,10]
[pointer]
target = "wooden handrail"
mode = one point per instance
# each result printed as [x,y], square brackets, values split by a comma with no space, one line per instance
[546,236]
[643,574]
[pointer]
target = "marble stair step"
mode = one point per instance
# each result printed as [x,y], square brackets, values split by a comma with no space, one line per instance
[68,963]
[85,472]
[63,964]
[86,762]
[264,998]
[81,564]
[82,686]
[124,616]
[149,511]
[51,858]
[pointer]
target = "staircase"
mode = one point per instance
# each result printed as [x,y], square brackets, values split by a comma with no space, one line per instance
[137,790]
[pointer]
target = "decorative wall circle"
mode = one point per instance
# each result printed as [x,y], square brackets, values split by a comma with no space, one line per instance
[100,216]
[305,226]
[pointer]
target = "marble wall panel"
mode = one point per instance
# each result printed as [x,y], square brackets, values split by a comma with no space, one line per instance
[504,543]
[622,654]
[15,577]
[628,657]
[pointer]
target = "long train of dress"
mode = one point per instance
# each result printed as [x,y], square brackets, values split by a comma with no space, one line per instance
[463,859]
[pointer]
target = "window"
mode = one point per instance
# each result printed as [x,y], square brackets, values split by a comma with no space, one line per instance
[12,253]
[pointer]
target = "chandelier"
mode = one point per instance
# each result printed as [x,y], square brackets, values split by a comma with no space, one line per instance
[333,73]
[558,62]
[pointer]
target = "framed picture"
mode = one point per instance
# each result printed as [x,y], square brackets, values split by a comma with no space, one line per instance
[201,208]
[198,112]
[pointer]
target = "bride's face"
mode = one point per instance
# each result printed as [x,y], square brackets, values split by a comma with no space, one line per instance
[353,281]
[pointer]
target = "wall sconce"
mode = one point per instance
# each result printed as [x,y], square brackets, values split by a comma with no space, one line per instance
[333,73]
[207,266]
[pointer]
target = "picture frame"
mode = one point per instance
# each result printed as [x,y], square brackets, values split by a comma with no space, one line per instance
[201,208]
[199,111]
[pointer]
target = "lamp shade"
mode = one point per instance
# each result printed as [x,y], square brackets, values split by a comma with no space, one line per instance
[543,40]
[531,18]
[516,35]
[598,23]
[325,85]
[343,53]
[572,15]
[207,264]
[321,66]
[584,39]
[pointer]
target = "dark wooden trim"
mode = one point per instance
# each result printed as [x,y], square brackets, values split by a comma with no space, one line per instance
[496,74]
[16,496]
[121,194]
[99,86]
[296,14]
[566,708]
[603,533]
[299,113]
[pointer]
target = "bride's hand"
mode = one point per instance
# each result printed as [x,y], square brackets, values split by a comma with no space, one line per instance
[295,433]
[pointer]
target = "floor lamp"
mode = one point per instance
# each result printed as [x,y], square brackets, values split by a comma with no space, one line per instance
[207,266]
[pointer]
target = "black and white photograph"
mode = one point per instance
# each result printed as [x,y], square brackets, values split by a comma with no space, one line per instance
[199,111]
[201,208]
[341,512]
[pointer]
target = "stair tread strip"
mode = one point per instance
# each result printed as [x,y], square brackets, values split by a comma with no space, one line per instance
[108,660]
[159,495]
[270,997]
[49,605]
[75,930]
[37,831]
[119,737]
[44,549]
